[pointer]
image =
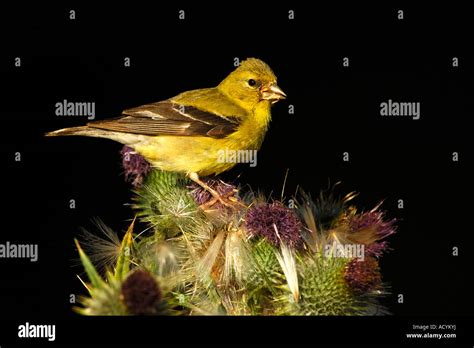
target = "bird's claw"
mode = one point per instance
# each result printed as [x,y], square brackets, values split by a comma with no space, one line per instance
[227,200]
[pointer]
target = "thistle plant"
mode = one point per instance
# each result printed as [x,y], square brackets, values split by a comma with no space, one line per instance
[259,257]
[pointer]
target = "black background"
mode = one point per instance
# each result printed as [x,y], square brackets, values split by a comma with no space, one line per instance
[337,109]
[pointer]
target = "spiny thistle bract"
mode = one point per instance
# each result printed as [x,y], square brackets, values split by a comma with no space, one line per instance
[257,258]
[323,290]
[165,203]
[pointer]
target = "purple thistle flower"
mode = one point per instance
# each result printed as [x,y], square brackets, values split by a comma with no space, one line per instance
[136,167]
[363,276]
[373,218]
[383,229]
[376,249]
[266,219]
[202,196]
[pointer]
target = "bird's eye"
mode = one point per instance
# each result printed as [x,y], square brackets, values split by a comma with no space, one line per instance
[252,82]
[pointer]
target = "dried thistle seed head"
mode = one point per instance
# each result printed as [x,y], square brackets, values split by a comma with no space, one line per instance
[327,208]
[141,293]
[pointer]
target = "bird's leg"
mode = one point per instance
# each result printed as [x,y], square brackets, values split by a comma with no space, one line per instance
[216,196]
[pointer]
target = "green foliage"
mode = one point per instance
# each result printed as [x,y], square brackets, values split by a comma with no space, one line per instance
[104,295]
[124,257]
[104,299]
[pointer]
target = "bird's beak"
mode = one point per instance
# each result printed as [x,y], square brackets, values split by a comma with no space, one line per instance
[272,92]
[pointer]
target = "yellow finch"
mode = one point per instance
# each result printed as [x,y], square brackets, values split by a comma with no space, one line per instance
[186,133]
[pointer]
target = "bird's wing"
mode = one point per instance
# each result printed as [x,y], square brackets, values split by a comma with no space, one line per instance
[170,118]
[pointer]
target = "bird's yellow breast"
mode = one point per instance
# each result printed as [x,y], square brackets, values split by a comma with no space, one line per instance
[203,155]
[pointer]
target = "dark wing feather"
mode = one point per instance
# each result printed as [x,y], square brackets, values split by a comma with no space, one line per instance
[170,118]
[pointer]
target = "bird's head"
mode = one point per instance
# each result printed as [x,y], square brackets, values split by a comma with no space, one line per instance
[252,82]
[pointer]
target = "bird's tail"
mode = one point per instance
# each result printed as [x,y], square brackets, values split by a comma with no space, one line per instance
[87,131]
[81,131]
